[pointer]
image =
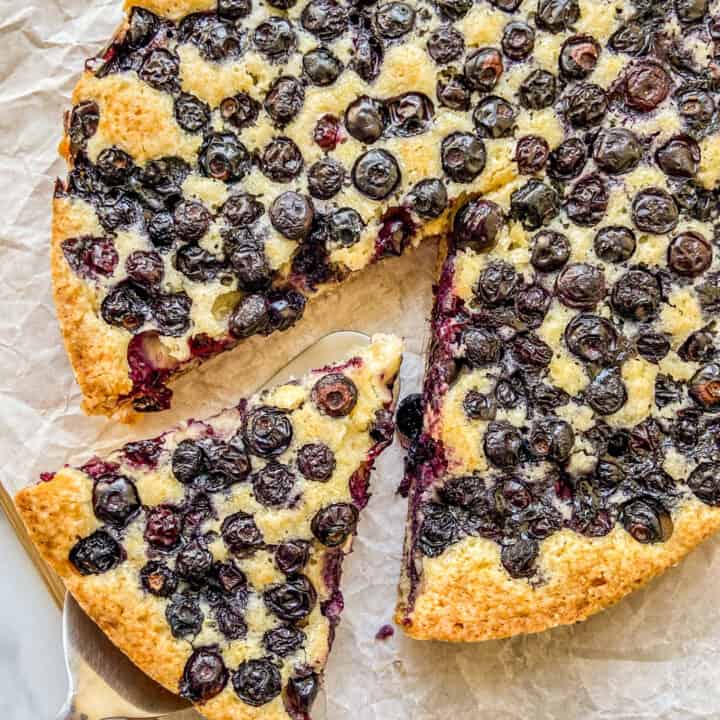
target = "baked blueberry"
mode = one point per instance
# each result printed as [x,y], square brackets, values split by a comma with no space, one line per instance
[368,55]
[557,15]
[453,90]
[592,339]
[394,19]
[655,211]
[538,90]
[281,160]
[705,387]
[679,157]
[344,227]
[502,444]
[531,154]
[581,286]
[115,499]
[194,561]
[335,523]
[568,160]
[96,554]
[494,117]
[240,110]
[284,99]
[428,198]
[184,616]
[223,157]
[535,204]
[366,119]
[690,254]
[410,114]
[191,113]
[646,86]
[482,347]
[160,69]
[690,11]
[163,527]
[325,178]
[652,346]
[91,256]
[283,640]
[585,105]
[145,267]
[617,151]
[439,530]
[257,682]
[301,691]
[267,431]
[291,214]
[550,251]
[696,107]
[704,481]
[531,305]
[445,44]
[126,306]
[204,676]
[216,38]
[463,156]
[483,69]
[518,40]
[292,556]
[477,225]
[275,37]
[587,202]
[497,284]
[273,484]
[335,395]
[636,295]
[479,407]
[633,38]
[519,557]
[234,9]
[241,534]
[615,244]
[321,66]
[376,174]
[607,393]
[454,9]
[316,461]
[646,520]
[291,601]
[579,56]
[326,19]
[158,579]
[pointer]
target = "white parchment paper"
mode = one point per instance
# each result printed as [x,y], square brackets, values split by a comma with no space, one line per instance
[652,656]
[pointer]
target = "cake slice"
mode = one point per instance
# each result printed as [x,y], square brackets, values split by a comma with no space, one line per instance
[212,554]
[570,446]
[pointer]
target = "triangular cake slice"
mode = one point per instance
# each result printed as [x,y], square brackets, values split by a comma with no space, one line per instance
[212,554]
[570,444]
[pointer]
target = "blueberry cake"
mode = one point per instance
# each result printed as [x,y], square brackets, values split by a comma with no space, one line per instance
[212,554]
[570,443]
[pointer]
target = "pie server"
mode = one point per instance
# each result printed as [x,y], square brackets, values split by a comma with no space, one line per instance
[103,683]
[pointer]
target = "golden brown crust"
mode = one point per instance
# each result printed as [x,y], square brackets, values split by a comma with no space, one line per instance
[466,596]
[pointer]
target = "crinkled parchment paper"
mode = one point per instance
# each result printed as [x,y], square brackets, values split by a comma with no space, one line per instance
[652,656]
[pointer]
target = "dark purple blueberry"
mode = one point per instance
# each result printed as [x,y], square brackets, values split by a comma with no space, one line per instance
[581,286]
[477,224]
[192,220]
[557,15]
[234,9]
[394,19]
[334,524]
[191,113]
[704,481]
[273,484]
[519,557]
[292,556]
[705,387]
[172,313]
[141,28]
[82,124]
[257,682]
[230,622]
[428,198]
[281,160]
[325,19]
[464,491]
[291,214]
[606,394]
[535,204]
[699,347]
[696,108]
[291,601]
[160,69]
[316,461]
[376,174]
[531,305]
[453,91]
[163,526]
[463,156]
[690,254]
[531,154]
[301,692]
[240,110]
[158,579]
[145,267]
[325,178]
[518,40]
[494,117]
[709,292]
[579,57]
[114,165]
[251,266]
[328,133]
[439,529]
[410,114]
[241,534]
[228,579]
[194,561]
[396,229]
[284,100]
[161,229]
[483,69]
[453,9]
[284,640]
[275,37]
[679,157]
[637,296]
[91,256]
[593,339]
[586,105]
[502,444]
[646,520]
[241,209]
[588,201]
[530,351]
[512,495]
[538,90]
[204,676]
[617,151]
[143,453]
[184,616]
[196,263]
[609,474]
[117,210]
[615,244]
[321,66]
[125,306]
[568,160]
[96,554]
[548,397]
[646,86]
[507,395]
[223,157]
[445,44]
[634,38]
[690,11]
[686,429]
[335,395]
[478,406]
[552,440]
[409,417]
[368,55]
[482,347]
[216,39]
[506,5]
[551,251]
[497,284]
[345,227]
[115,499]
[188,461]
[267,431]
